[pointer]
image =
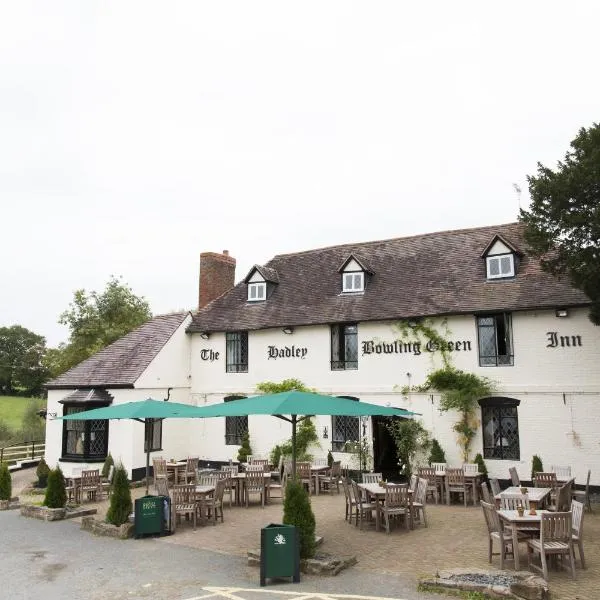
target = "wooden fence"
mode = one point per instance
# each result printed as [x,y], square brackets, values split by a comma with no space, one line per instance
[23,451]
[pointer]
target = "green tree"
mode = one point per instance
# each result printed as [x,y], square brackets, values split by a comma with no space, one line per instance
[245,449]
[96,320]
[106,466]
[297,511]
[5,482]
[563,221]
[33,426]
[437,454]
[536,466]
[56,493]
[42,472]
[21,361]
[481,466]
[410,438]
[120,499]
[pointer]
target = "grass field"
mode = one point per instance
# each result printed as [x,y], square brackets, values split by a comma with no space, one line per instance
[12,409]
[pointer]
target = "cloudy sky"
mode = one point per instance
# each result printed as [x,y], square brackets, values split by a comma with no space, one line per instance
[134,135]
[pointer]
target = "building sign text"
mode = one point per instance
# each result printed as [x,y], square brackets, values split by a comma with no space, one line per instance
[286,352]
[209,355]
[562,341]
[401,347]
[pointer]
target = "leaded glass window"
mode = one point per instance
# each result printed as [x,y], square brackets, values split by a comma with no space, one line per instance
[344,429]
[235,427]
[500,424]
[344,347]
[495,340]
[85,440]
[236,345]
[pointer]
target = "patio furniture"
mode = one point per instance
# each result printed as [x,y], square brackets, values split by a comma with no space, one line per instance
[304,475]
[350,502]
[512,501]
[584,495]
[263,462]
[414,481]
[433,483]
[254,483]
[497,532]
[485,493]
[184,501]
[439,466]
[316,471]
[456,484]
[175,470]
[330,480]
[514,476]
[577,525]
[470,468]
[372,477]
[90,484]
[397,503]
[230,482]
[213,504]
[190,475]
[495,485]
[106,484]
[364,509]
[562,471]
[545,479]
[563,499]
[419,501]
[556,538]
[518,525]
[161,487]
[536,496]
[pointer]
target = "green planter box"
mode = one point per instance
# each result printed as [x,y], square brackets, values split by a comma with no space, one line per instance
[279,553]
[152,515]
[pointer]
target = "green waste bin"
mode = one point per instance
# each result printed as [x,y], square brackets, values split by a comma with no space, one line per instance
[152,515]
[279,552]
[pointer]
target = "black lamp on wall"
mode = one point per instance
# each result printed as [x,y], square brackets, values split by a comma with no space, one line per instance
[205,335]
[288,330]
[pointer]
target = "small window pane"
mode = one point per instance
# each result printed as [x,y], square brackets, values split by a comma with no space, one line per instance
[506,265]
[494,267]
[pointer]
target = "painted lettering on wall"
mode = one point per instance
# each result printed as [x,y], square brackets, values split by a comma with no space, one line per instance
[210,355]
[401,347]
[562,341]
[286,352]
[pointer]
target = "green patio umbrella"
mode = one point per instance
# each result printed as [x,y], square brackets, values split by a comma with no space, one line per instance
[138,411]
[294,403]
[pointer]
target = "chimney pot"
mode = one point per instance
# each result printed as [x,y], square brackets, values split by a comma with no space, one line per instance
[226,252]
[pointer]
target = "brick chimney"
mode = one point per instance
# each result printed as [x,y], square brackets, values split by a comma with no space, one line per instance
[217,275]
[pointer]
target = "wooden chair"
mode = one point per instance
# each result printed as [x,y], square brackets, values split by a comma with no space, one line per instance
[372,477]
[262,462]
[577,524]
[213,505]
[159,469]
[584,495]
[563,499]
[414,481]
[364,509]
[456,484]
[397,503]
[510,501]
[190,475]
[514,477]
[485,493]
[545,479]
[350,502]
[439,466]
[496,532]
[470,468]
[254,483]
[562,471]
[303,474]
[419,501]
[495,485]
[90,484]
[331,480]
[161,487]
[433,486]
[230,482]
[556,538]
[184,501]
[106,485]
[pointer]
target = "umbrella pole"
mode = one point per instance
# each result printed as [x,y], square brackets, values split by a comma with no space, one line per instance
[294,446]
[148,431]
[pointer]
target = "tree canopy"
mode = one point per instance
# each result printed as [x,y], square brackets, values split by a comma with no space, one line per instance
[96,320]
[21,360]
[563,221]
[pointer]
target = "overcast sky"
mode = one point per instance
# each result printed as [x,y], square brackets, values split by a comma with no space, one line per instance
[134,135]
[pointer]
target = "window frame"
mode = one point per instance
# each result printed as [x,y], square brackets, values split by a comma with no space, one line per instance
[235,423]
[157,431]
[508,340]
[334,419]
[233,338]
[85,427]
[352,289]
[499,257]
[492,408]
[340,363]
[257,286]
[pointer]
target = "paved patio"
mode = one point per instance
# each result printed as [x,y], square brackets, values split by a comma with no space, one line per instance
[456,537]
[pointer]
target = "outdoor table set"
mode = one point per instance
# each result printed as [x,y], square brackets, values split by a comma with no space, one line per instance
[376,493]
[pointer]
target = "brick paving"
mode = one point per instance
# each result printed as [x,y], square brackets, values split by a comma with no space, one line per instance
[456,537]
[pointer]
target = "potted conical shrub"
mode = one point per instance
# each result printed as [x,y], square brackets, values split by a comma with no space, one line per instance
[5,486]
[120,499]
[56,493]
[297,511]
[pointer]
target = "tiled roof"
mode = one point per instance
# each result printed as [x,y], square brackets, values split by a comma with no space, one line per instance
[88,397]
[121,363]
[425,275]
[267,274]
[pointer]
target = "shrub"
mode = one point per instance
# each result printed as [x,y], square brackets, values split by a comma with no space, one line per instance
[482,468]
[275,455]
[245,448]
[329,459]
[120,499]
[5,482]
[56,494]
[297,511]
[536,466]
[42,472]
[436,455]
[106,466]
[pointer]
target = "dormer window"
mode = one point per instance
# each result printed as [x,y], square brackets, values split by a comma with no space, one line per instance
[257,291]
[500,259]
[500,266]
[353,282]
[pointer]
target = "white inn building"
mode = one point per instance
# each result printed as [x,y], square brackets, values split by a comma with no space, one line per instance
[330,318]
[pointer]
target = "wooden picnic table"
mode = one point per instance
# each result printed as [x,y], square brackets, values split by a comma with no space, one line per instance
[517,523]
[377,493]
[176,467]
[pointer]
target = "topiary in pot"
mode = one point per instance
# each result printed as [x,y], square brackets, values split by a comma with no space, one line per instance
[536,466]
[436,455]
[482,468]
[5,482]
[329,459]
[106,466]
[56,494]
[120,499]
[245,448]
[42,472]
[297,511]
